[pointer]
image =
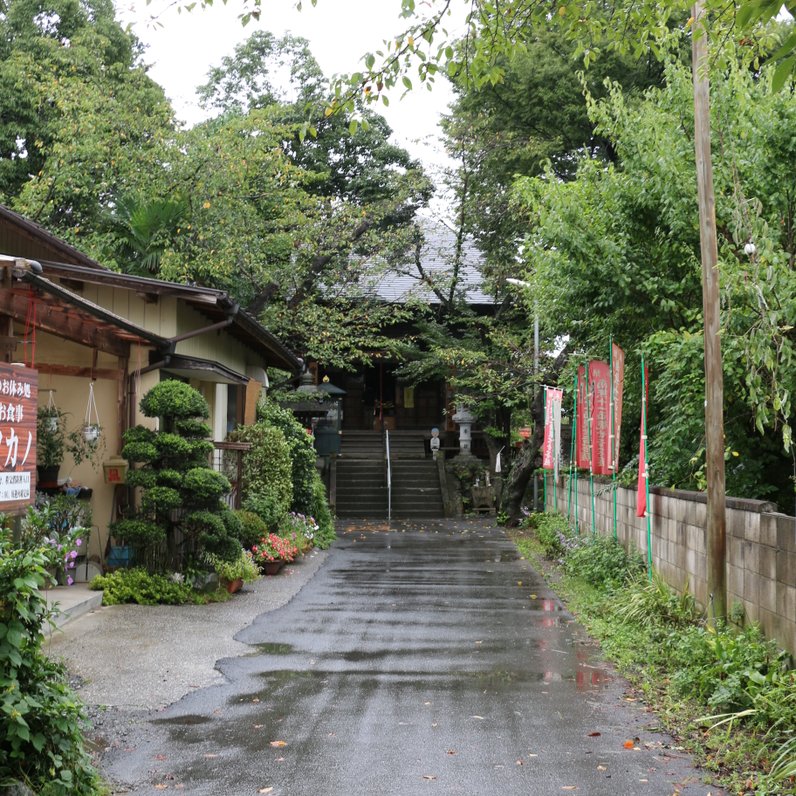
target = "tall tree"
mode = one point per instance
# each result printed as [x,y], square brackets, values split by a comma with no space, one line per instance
[79,118]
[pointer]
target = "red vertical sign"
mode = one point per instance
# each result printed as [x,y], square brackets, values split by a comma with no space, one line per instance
[600,389]
[618,378]
[18,400]
[582,448]
[641,487]
[551,450]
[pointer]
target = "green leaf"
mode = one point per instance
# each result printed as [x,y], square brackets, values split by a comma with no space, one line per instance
[784,70]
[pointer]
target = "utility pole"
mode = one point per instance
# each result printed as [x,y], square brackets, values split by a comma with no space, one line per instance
[714,379]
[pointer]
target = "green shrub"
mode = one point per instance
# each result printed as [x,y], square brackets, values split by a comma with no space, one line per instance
[174,399]
[266,483]
[139,586]
[138,451]
[40,735]
[161,500]
[651,599]
[728,670]
[252,528]
[205,486]
[325,534]
[601,561]
[138,533]
[192,428]
[141,478]
[178,476]
[553,532]
[210,531]
[243,567]
[301,451]
[172,447]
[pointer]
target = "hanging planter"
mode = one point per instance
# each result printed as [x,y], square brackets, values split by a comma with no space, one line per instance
[91,433]
[85,441]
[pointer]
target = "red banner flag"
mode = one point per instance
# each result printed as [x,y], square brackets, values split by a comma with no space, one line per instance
[641,487]
[600,390]
[551,450]
[582,448]
[618,380]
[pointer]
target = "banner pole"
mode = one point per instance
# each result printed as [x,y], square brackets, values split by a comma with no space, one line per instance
[555,464]
[589,407]
[614,457]
[646,467]
[544,491]
[572,449]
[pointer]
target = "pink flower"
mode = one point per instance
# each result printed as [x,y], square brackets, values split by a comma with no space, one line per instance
[78,542]
[73,554]
[69,581]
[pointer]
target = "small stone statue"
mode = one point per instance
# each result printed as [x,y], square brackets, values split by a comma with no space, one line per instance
[434,442]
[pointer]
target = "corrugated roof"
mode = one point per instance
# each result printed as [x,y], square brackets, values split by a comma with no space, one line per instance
[404,282]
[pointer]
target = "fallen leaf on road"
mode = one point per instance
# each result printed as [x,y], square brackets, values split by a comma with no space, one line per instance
[259,726]
[161,757]
[210,755]
[594,734]
[480,718]
[519,583]
[265,790]
[256,699]
[278,744]
[426,703]
[602,768]
[519,763]
[628,744]
[161,786]
[569,787]
[429,776]
[451,751]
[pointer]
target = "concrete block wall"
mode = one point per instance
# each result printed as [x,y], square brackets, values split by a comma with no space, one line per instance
[761,545]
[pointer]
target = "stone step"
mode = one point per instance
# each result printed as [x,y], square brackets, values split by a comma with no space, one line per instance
[71,602]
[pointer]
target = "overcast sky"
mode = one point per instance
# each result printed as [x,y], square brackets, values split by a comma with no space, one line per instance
[186,45]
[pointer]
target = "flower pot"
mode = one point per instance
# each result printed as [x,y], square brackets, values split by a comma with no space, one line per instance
[91,433]
[233,585]
[47,476]
[271,567]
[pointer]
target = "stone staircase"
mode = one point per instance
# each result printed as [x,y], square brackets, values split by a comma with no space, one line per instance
[415,489]
[361,476]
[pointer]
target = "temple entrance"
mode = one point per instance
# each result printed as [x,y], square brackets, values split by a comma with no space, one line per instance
[375,400]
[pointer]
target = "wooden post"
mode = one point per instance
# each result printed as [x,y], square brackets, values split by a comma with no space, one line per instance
[714,383]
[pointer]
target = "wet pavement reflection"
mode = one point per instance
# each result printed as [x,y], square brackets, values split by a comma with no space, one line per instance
[421,657]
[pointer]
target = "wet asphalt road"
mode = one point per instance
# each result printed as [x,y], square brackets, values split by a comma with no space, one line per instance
[424,659]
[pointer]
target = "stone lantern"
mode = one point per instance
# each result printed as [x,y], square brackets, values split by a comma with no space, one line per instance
[464,418]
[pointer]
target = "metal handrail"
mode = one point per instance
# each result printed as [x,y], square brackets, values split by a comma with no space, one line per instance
[389,474]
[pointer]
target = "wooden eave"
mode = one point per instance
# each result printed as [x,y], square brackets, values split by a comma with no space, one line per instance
[31,299]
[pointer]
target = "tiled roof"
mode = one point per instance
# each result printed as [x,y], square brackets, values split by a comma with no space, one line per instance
[404,282]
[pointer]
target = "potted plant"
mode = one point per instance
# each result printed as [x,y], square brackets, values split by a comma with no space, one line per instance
[233,574]
[50,443]
[299,529]
[84,442]
[272,552]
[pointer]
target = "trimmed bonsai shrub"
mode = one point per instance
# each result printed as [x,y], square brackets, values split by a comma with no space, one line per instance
[180,494]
